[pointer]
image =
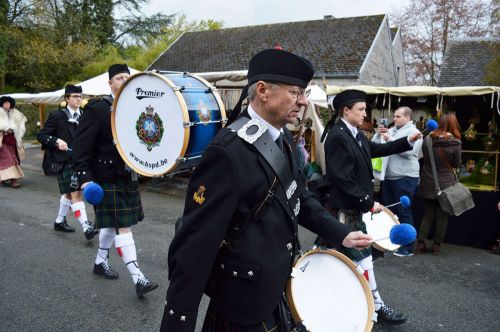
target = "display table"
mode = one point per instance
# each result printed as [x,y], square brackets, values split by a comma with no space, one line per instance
[476,227]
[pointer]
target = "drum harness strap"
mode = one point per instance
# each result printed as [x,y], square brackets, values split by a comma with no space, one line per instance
[268,149]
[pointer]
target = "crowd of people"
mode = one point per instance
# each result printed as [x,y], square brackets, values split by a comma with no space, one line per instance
[240,253]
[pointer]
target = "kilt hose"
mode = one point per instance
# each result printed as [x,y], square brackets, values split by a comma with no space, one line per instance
[64,179]
[215,322]
[121,205]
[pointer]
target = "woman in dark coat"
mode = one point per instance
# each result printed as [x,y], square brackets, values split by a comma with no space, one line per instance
[447,149]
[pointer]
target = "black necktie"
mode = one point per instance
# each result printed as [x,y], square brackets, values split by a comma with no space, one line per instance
[358,139]
[76,116]
[279,142]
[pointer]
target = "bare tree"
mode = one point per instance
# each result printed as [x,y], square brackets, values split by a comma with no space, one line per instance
[427,25]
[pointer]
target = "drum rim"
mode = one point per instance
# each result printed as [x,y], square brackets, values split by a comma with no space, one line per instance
[364,283]
[375,244]
[185,115]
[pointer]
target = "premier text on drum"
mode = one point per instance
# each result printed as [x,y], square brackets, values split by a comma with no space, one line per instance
[148,93]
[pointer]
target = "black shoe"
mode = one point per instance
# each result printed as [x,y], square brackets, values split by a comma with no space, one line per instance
[91,231]
[390,316]
[104,270]
[144,286]
[63,227]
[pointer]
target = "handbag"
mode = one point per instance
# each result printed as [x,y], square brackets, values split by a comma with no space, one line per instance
[455,199]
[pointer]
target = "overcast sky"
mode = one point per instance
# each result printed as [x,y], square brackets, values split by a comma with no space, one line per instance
[254,12]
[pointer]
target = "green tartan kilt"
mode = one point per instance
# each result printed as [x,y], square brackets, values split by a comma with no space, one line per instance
[121,205]
[64,179]
[355,223]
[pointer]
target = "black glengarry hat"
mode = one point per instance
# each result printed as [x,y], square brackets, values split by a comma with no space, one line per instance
[118,68]
[70,88]
[348,97]
[275,65]
[9,99]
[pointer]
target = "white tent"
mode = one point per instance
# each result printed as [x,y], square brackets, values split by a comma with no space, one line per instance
[95,86]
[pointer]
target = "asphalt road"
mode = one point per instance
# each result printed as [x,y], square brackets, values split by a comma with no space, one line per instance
[48,284]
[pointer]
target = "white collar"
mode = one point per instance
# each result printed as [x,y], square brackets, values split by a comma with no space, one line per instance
[72,111]
[352,129]
[273,131]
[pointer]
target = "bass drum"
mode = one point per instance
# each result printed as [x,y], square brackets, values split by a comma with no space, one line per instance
[328,292]
[163,121]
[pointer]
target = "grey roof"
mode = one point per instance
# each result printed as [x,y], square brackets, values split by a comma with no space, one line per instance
[466,61]
[337,47]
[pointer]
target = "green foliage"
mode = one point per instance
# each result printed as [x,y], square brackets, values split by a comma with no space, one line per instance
[492,72]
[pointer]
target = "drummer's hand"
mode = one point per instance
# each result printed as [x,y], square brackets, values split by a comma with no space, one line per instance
[84,185]
[61,145]
[377,207]
[357,240]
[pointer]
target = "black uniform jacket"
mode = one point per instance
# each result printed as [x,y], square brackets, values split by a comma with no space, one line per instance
[349,172]
[95,157]
[245,278]
[57,126]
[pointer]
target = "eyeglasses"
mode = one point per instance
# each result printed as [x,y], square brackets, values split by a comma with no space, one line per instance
[298,93]
[76,96]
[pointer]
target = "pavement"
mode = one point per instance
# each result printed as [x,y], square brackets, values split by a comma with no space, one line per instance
[48,284]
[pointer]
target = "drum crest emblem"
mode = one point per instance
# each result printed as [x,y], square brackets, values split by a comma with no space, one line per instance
[149,128]
[204,114]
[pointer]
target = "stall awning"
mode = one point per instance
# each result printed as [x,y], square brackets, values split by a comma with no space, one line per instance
[417,91]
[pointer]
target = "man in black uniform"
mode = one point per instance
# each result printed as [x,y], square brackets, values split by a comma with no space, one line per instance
[244,202]
[57,135]
[96,159]
[350,182]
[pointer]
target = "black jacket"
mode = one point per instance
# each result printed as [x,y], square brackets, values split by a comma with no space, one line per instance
[246,278]
[57,126]
[349,172]
[95,157]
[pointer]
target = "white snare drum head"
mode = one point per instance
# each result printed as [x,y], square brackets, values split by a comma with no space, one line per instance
[328,294]
[148,124]
[379,226]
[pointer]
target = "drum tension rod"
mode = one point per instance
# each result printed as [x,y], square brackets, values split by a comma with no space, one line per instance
[188,124]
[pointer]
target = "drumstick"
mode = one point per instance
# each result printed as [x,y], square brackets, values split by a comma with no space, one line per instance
[403,200]
[401,234]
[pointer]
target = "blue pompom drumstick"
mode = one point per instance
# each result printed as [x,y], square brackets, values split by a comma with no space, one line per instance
[93,193]
[401,234]
[403,200]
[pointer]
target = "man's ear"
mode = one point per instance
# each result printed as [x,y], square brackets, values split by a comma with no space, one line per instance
[261,89]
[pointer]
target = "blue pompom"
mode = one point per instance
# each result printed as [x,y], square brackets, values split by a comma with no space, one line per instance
[432,125]
[403,234]
[93,193]
[405,201]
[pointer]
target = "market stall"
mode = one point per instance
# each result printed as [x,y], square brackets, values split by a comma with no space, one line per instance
[478,112]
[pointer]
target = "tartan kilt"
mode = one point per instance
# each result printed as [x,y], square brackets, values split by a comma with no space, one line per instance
[215,322]
[64,179]
[355,223]
[121,205]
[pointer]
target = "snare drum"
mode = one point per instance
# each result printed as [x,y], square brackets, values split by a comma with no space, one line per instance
[163,121]
[327,292]
[379,225]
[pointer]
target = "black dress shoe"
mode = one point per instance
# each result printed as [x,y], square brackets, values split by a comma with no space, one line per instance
[63,227]
[91,231]
[104,270]
[144,286]
[390,316]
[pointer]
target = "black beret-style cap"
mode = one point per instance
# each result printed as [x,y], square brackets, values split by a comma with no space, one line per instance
[275,65]
[118,68]
[70,88]
[348,97]
[7,99]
